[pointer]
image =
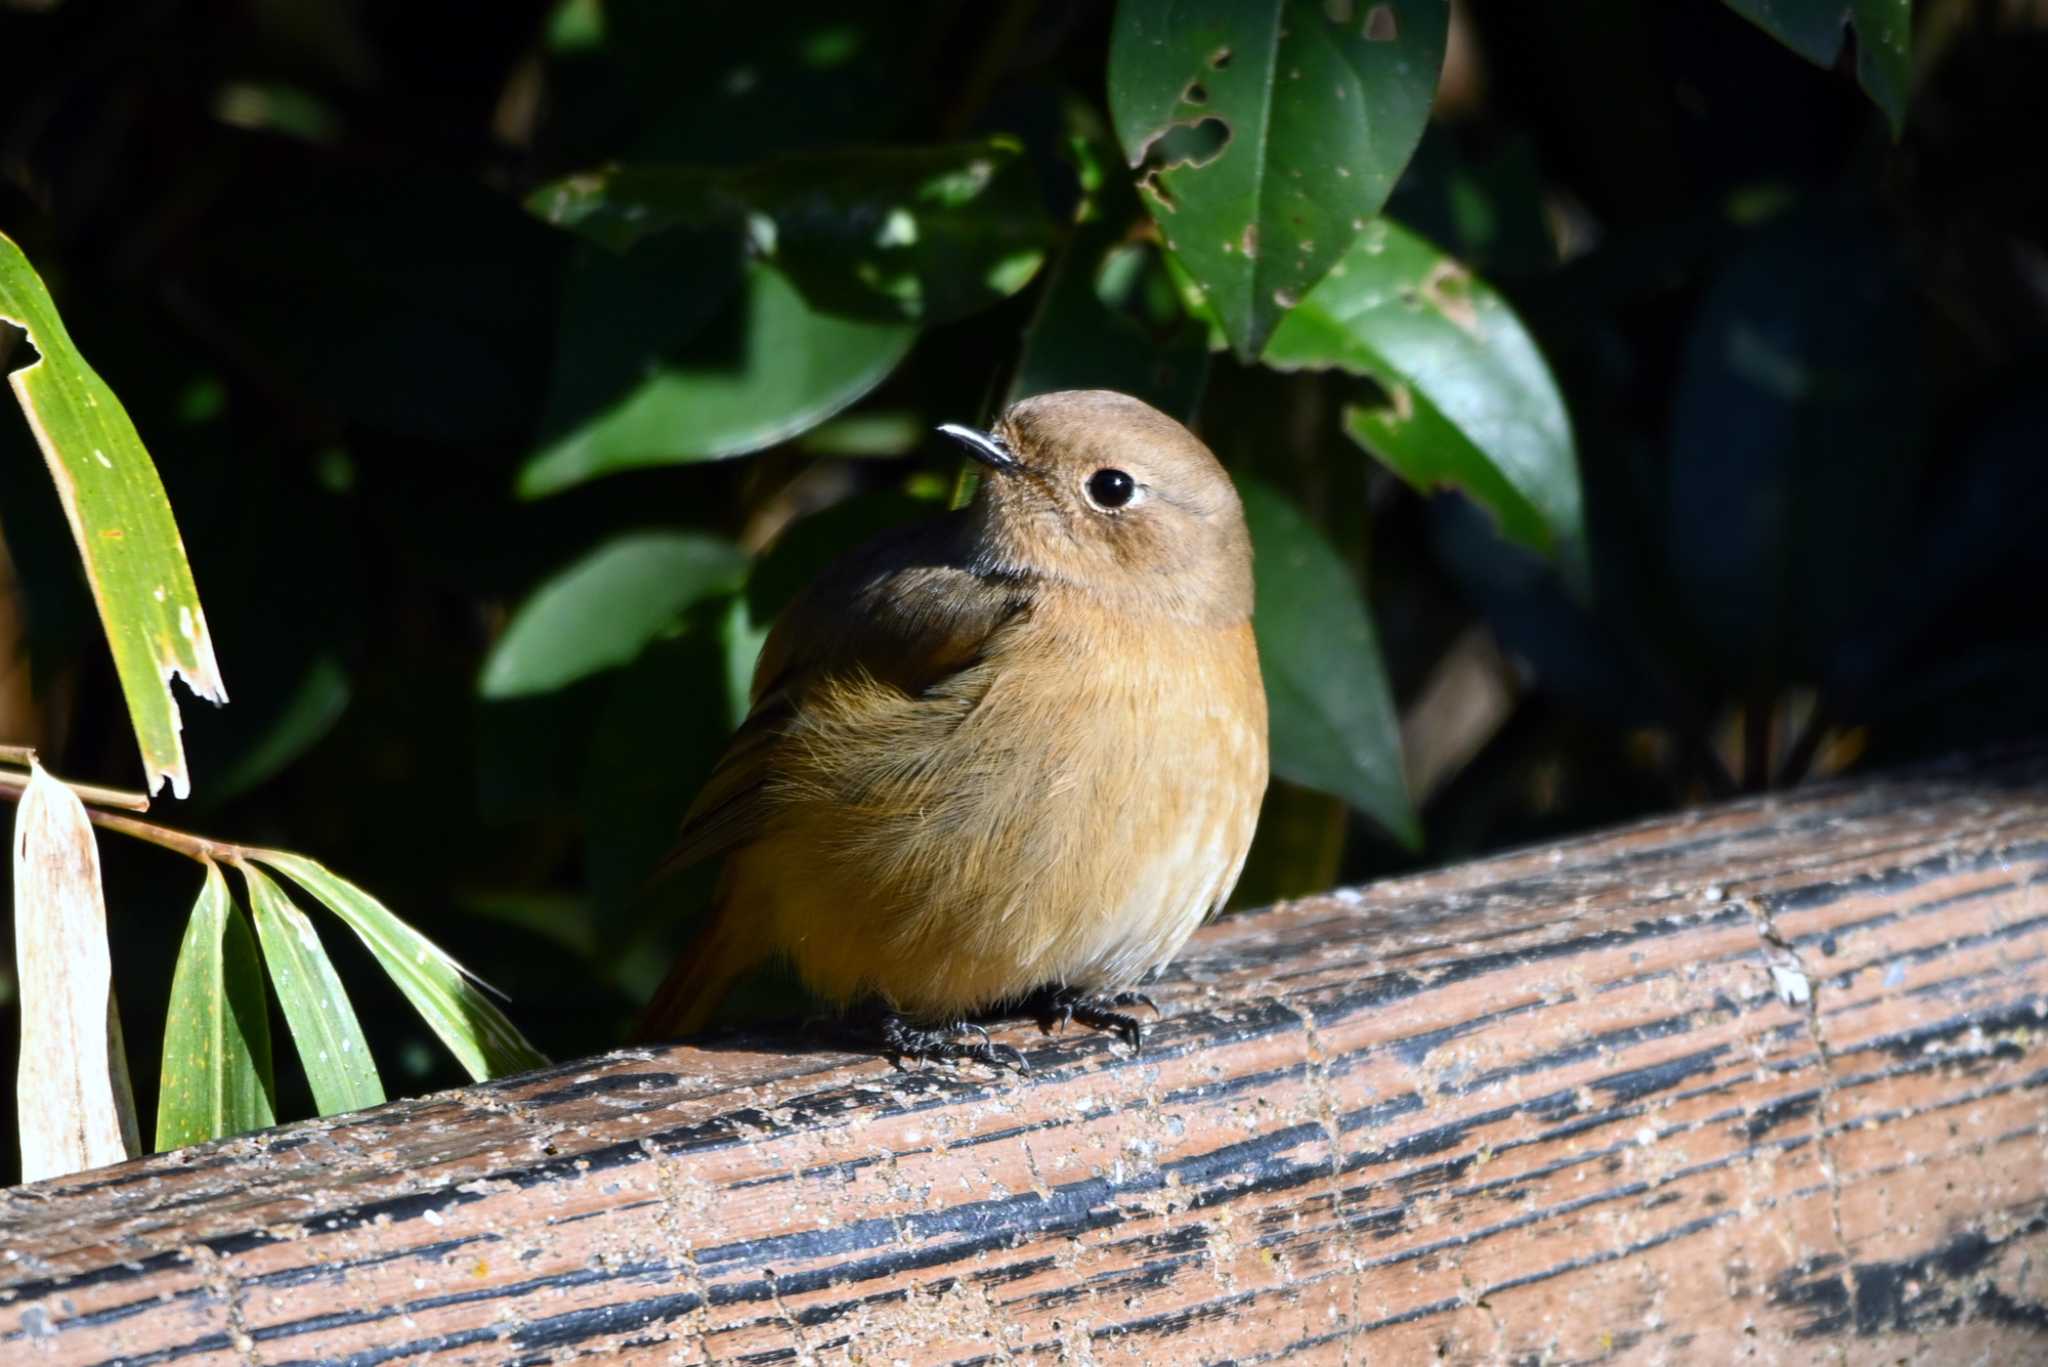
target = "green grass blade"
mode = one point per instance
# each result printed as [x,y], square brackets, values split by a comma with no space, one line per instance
[217,1077]
[439,988]
[121,520]
[331,1046]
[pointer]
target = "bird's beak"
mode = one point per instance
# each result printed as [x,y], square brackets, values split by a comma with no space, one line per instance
[985,447]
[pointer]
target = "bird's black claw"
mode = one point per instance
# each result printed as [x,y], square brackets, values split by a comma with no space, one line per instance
[1057,1006]
[907,1041]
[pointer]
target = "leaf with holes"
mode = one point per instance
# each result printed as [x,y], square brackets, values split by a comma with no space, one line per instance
[1816,29]
[134,560]
[216,1077]
[323,1024]
[1267,132]
[1469,403]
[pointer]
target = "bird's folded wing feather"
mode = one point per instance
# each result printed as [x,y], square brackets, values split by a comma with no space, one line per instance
[899,611]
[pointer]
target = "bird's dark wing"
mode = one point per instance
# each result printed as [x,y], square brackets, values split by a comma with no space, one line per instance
[903,609]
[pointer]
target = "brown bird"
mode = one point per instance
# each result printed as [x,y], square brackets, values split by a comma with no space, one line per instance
[1010,757]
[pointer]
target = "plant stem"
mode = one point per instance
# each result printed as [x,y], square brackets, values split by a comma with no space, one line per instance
[87,792]
[182,842]
[191,846]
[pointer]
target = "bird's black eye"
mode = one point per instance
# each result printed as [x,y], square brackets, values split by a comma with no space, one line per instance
[1111,488]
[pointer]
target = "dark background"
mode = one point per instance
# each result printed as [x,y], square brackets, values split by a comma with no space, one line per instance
[1804,363]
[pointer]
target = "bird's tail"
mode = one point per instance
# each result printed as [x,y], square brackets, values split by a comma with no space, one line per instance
[704,972]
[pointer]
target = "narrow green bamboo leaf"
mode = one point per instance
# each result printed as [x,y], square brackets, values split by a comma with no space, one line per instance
[1266,133]
[1333,724]
[1815,29]
[440,989]
[1470,403]
[598,612]
[330,1042]
[121,520]
[216,1077]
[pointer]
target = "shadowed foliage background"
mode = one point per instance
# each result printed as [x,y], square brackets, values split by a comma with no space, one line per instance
[509,366]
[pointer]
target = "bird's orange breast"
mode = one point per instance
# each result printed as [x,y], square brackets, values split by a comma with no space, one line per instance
[1065,811]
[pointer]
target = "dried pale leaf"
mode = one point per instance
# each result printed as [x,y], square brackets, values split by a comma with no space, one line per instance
[72,1093]
[134,559]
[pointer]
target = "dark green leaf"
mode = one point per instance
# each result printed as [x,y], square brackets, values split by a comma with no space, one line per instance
[1333,723]
[121,522]
[1078,339]
[300,720]
[1469,403]
[902,234]
[1815,30]
[1796,444]
[598,613]
[806,547]
[665,721]
[216,1077]
[764,371]
[1268,132]
[473,1028]
[627,317]
[323,1024]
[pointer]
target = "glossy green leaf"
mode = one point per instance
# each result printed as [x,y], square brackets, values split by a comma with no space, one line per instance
[896,234]
[323,1025]
[216,1077]
[1332,720]
[483,1041]
[599,612]
[628,317]
[1267,132]
[1815,29]
[768,368]
[121,521]
[1469,403]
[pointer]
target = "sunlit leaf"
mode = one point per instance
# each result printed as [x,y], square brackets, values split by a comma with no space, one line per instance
[121,521]
[323,1025]
[1469,403]
[216,1077]
[1332,720]
[600,611]
[1816,29]
[923,234]
[73,1103]
[766,370]
[1267,132]
[483,1041]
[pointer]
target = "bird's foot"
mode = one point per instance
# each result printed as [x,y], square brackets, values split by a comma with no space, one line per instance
[961,1039]
[1054,1007]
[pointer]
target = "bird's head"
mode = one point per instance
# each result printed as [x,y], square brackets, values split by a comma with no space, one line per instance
[1100,492]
